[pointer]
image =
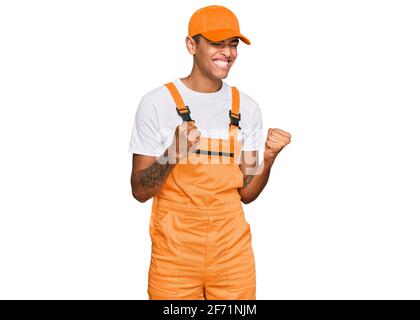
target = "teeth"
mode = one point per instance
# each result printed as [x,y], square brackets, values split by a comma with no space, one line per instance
[221,63]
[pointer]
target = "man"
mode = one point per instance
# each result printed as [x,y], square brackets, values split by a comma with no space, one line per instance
[199,176]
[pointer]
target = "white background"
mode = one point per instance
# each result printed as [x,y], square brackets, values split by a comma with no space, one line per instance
[339,218]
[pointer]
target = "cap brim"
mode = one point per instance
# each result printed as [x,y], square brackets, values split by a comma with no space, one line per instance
[220,35]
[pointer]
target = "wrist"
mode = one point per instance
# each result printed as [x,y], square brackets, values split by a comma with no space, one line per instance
[171,155]
[167,157]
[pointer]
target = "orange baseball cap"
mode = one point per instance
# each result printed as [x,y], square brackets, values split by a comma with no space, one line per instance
[215,23]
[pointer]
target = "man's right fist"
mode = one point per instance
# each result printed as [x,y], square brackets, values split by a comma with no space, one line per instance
[186,139]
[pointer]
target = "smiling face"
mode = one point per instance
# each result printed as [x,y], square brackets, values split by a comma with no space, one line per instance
[213,59]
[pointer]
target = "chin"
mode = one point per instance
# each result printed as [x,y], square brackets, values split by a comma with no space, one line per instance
[221,75]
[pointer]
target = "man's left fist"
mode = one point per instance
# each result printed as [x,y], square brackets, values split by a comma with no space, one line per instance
[277,139]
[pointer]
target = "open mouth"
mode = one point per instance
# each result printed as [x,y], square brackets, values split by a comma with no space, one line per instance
[221,64]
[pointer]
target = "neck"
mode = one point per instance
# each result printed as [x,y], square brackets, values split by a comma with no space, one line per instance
[197,81]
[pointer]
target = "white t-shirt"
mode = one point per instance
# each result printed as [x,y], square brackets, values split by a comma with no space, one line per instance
[156,118]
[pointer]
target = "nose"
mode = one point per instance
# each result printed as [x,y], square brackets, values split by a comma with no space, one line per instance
[226,51]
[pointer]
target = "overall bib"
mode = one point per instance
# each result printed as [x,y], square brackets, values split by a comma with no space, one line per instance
[201,241]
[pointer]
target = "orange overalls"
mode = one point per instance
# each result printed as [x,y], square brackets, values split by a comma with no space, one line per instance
[201,241]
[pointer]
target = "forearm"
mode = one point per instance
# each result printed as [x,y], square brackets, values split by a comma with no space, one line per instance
[255,182]
[148,182]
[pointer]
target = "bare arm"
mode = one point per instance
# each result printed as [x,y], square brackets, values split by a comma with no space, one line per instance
[255,177]
[255,174]
[149,175]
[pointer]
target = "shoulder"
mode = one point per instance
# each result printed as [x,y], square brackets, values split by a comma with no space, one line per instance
[155,99]
[158,94]
[251,115]
[248,105]
[247,100]
[159,105]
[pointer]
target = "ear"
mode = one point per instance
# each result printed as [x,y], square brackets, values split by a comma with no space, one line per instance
[191,45]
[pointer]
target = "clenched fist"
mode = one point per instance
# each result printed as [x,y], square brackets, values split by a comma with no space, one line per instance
[277,139]
[186,140]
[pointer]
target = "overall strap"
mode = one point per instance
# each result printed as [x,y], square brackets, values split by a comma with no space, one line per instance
[181,108]
[235,117]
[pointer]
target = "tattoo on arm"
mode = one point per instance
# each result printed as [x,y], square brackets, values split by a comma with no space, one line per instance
[154,175]
[247,180]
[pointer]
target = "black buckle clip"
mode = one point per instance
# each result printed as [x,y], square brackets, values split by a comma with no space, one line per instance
[184,115]
[235,120]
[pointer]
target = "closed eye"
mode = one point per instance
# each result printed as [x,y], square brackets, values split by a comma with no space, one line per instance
[217,44]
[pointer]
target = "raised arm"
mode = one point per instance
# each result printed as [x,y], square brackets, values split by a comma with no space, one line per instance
[255,174]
